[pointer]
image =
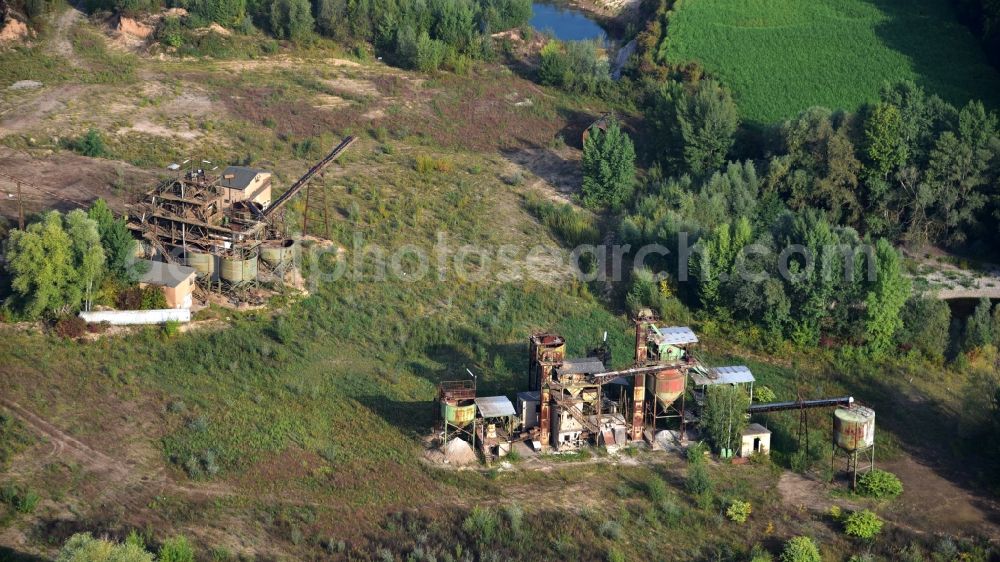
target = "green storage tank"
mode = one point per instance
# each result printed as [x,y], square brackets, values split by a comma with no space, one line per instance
[279,253]
[458,415]
[203,263]
[238,270]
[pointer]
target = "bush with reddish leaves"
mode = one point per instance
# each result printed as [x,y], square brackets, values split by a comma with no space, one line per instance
[71,327]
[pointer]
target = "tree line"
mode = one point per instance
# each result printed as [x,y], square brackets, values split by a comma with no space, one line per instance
[416,34]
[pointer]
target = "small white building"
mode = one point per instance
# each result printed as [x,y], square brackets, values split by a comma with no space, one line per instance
[529,407]
[755,439]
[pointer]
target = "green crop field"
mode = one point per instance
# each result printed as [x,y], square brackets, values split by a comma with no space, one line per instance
[782,56]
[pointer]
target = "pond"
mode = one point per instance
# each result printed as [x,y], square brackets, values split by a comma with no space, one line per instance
[564,23]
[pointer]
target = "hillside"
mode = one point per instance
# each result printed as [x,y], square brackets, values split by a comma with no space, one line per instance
[298,430]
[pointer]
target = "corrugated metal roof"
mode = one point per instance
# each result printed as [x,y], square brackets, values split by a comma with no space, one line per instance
[165,274]
[756,429]
[736,374]
[678,335]
[581,366]
[494,406]
[242,177]
[529,396]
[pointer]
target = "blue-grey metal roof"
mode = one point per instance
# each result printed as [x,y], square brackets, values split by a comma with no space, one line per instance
[241,178]
[678,335]
[494,406]
[165,274]
[529,396]
[736,374]
[581,366]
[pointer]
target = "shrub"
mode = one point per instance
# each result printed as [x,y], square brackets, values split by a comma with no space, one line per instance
[71,327]
[760,554]
[171,328]
[176,549]
[153,299]
[863,525]
[611,530]
[880,484]
[427,164]
[800,549]
[670,513]
[515,516]
[82,546]
[698,481]
[615,555]
[23,500]
[90,144]
[657,489]
[739,511]
[481,524]
[764,394]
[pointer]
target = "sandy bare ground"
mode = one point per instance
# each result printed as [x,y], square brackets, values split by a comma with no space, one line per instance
[61,45]
[929,504]
[949,281]
[66,181]
[556,172]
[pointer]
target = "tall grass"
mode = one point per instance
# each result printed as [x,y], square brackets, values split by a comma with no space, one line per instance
[573,226]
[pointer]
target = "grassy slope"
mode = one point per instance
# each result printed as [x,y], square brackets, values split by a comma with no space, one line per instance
[782,56]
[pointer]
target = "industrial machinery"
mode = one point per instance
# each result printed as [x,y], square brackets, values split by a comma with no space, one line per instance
[220,228]
[456,405]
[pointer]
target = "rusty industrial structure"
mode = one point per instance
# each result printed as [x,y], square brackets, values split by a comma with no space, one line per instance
[577,402]
[574,402]
[220,224]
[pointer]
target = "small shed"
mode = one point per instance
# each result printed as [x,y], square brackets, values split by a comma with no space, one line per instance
[672,342]
[176,281]
[601,125]
[755,439]
[497,428]
[246,184]
[528,409]
[581,366]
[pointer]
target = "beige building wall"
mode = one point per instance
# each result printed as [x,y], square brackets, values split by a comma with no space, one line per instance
[259,191]
[181,296]
[762,441]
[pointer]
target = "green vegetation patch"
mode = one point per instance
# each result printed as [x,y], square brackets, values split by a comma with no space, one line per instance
[783,56]
[24,63]
[104,66]
[14,438]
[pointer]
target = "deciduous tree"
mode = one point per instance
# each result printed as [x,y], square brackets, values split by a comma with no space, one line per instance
[118,243]
[707,119]
[724,417]
[886,296]
[608,167]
